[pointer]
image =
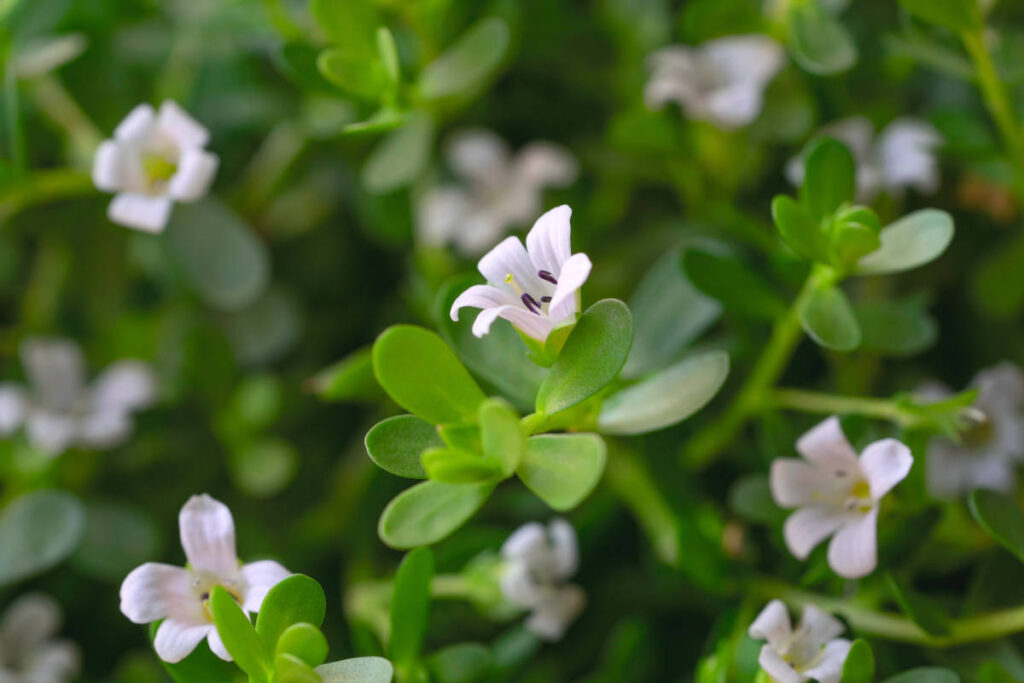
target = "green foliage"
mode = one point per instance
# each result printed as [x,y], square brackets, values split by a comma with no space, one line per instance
[297,599]
[859,666]
[925,674]
[562,469]
[202,666]
[396,444]
[956,15]
[502,436]
[817,41]
[410,606]
[304,642]
[247,649]
[912,241]
[350,378]
[460,663]
[467,63]
[992,672]
[37,531]
[897,328]
[924,612]
[729,281]
[429,511]
[829,178]
[357,670]
[829,320]
[1001,517]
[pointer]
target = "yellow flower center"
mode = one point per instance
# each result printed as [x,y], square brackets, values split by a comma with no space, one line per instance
[157,168]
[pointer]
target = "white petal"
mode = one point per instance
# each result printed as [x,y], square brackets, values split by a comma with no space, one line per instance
[548,242]
[55,369]
[510,257]
[175,122]
[208,536]
[817,627]
[108,167]
[772,624]
[905,153]
[827,446]
[482,297]
[50,433]
[778,668]
[54,662]
[191,181]
[126,385]
[217,645]
[259,578]
[1001,384]
[809,526]
[175,640]
[13,406]
[525,542]
[477,155]
[103,429]
[137,125]
[439,214]
[29,621]
[564,548]
[856,132]
[950,471]
[853,552]
[540,164]
[552,616]
[735,106]
[479,229]
[571,278]
[796,482]
[830,668]
[139,211]
[155,591]
[517,585]
[885,463]
[751,58]
[528,323]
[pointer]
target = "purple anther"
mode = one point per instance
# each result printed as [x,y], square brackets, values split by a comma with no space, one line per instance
[545,299]
[545,275]
[530,303]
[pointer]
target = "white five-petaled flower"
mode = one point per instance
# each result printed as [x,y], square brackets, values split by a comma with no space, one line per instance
[153,160]
[29,652]
[60,411]
[902,156]
[837,493]
[811,651]
[538,563]
[180,596]
[533,287]
[499,190]
[721,81]
[991,446]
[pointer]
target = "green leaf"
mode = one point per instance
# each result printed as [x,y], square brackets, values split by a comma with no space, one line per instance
[349,379]
[727,279]
[218,253]
[402,156]
[1001,517]
[460,663]
[859,666]
[305,642]
[422,374]
[830,178]
[997,286]
[396,444]
[928,615]
[429,511]
[818,42]
[925,674]
[117,538]
[993,672]
[388,52]
[291,669]
[351,23]
[297,599]
[854,233]
[410,605]
[896,328]
[353,72]
[37,531]
[357,670]
[461,436]
[467,63]
[956,15]
[593,355]
[912,241]
[240,639]
[202,666]
[667,397]
[798,228]
[750,497]
[828,319]
[502,435]
[455,466]
[562,469]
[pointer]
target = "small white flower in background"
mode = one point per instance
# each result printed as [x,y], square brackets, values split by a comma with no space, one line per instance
[536,288]
[499,190]
[154,160]
[180,596]
[538,563]
[990,447]
[837,493]
[902,156]
[60,411]
[29,650]
[721,81]
[810,652]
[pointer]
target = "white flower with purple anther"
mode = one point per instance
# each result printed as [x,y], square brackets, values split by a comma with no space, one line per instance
[812,651]
[498,190]
[538,563]
[991,443]
[60,411]
[29,649]
[721,81]
[536,287]
[903,155]
[838,495]
[154,159]
[180,596]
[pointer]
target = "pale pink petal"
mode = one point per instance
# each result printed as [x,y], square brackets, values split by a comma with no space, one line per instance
[571,278]
[778,668]
[772,624]
[259,578]
[531,324]
[136,125]
[796,482]
[175,122]
[176,640]
[906,155]
[510,258]
[482,297]
[817,626]
[827,446]
[753,59]
[809,526]
[478,155]
[525,542]
[734,106]
[548,242]
[440,214]
[885,463]
[192,179]
[50,433]
[108,166]
[208,536]
[155,591]
[140,211]
[853,552]
[540,164]
[830,668]
[217,645]
[127,385]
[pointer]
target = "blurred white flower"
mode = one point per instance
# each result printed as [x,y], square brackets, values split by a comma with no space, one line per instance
[538,564]
[837,493]
[810,652]
[499,190]
[902,156]
[721,81]
[154,160]
[535,288]
[60,411]
[180,596]
[992,444]
[29,651]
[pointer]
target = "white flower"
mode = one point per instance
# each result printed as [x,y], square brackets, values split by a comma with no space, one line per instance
[535,288]
[902,156]
[538,563]
[991,446]
[837,493]
[499,190]
[154,160]
[29,653]
[812,651]
[721,81]
[180,596]
[60,411]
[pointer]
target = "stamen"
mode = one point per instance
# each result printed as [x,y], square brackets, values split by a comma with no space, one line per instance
[545,275]
[545,299]
[530,303]
[511,281]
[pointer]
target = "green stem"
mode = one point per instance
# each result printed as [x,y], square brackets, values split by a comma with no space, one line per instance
[16,141]
[831,404]
[630,480]
[53,99]
[996,96]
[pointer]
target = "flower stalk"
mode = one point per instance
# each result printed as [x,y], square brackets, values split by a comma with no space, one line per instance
[832,404]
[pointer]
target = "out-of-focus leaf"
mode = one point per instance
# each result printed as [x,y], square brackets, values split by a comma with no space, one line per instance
[997,286]
[925,674]
[896,328]
[1001,517]
[992,672]
[351,378]
[928,52]
[117,539]
[798,228]
[357,670]
[829,177]
[562,469]
[859,666]
[751,498]
[467,63]
[929,616]
[289,668]
[429,511]
[912,241]
[37,531]
[956,15]
[354,73]
[262,467]
[396,444]
[828,319]
[818,42]
[460,663]
[729,281]
[352,23]
[265,329]
[410,605]
[401,157]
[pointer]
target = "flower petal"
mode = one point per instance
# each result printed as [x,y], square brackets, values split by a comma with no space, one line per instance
[136,125]
[55,369]
[548,242]
[853,552]
[155,591]
[478,155]
[518,587]
[208,536]
[809,526]
[104,429]
[50,433]
[525,542]
[482,297]
[13,406]
[196,169]
[885,463]
[905,153]
[571,278]
[530,324]
[830,668]
[439,214]
[817,627]
[29,621]
[139,211]
[772,624]
[554,614]
[176,640]
[108,167]
[511,258]
[217,645]
[127,385]
[753,59]
[796,482]
[540,164]
[53,662]
[776,667]
[259,578]
[826,445]
[734,106]
[175,122]
[564,548]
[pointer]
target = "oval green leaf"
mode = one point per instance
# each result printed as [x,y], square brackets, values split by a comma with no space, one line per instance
[297,599]
[455,466]
[117,538]
[240,639]
[402,156]
[925,674]
[460,663]
[357,670]
[1001,517]
[467,63]
[562,469]
[429,511]
[859,666]
[37,531]
[396,444]
[818,42]
[305,642]
[799,229]
[502,435]
[912,241]
[410,605]
[828,319]
[830,178]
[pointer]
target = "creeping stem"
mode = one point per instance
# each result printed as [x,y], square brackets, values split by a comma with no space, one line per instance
[831,404]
